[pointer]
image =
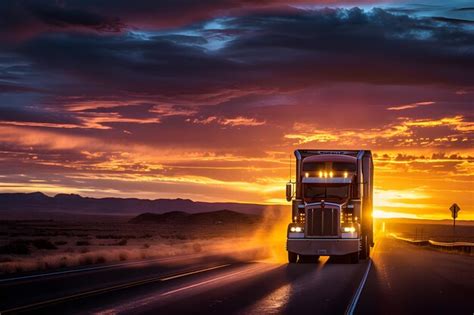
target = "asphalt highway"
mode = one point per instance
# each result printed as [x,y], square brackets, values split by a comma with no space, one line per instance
[400,279]
[406,279]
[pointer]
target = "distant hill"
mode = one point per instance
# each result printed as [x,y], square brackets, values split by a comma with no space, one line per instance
[204,218]
[34,203]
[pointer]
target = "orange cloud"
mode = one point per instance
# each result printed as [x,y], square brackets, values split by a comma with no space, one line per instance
[79,106]
[31,137]
[99,120]
[233,122]
[314,136]
[241,121]
[164,110]
[87,121]
[456,122]
[410,106]
[404,132]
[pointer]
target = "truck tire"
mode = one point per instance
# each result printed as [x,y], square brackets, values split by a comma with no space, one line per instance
[292,257]
[365,247]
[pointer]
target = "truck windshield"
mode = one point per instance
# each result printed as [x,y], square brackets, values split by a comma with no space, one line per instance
[316,192]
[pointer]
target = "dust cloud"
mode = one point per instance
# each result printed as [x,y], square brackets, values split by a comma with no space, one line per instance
[83,243]
[271,234]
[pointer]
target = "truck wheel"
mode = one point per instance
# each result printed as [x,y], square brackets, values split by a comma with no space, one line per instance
[292,257]
[365,248]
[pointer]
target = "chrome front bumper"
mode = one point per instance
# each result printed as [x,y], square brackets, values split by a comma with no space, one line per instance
[322,247]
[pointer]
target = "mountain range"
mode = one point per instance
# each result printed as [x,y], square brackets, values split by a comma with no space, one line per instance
[75,204]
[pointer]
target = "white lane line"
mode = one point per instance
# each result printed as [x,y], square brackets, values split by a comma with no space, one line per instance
[106,290]
[132,305]
[209,281]
[41,275]
[355,299]
[352,306]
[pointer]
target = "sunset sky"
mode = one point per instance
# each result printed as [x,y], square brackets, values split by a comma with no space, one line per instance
[207,99]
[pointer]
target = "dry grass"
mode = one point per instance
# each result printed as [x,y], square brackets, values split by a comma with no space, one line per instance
[42,245]
[75,243]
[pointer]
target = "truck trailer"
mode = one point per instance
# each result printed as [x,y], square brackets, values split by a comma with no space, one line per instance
[332,201]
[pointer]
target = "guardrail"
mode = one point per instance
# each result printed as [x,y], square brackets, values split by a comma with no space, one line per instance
[464,247]
[454,246]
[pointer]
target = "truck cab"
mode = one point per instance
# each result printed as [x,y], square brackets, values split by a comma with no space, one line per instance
[331,205]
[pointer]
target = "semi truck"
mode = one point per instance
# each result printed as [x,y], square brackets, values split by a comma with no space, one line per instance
[331,201]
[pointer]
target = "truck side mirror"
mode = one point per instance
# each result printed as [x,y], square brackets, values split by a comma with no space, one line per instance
[289,191]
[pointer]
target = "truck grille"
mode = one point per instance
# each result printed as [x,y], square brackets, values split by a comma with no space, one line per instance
[322,222]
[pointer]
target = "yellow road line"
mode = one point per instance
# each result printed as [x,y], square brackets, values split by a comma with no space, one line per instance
[108,289]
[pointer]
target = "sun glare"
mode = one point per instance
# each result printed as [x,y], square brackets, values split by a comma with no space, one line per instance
[380,214]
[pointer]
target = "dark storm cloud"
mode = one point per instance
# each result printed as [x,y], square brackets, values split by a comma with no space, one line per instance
[353,45]
[63,17]
[451,20]
[12,88]
[464,9]
[27,115]
[274,50]
[25,18]
[128,64]
[28,17]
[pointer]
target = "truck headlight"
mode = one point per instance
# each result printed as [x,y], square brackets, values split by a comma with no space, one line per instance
[349,229]
[296,229]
